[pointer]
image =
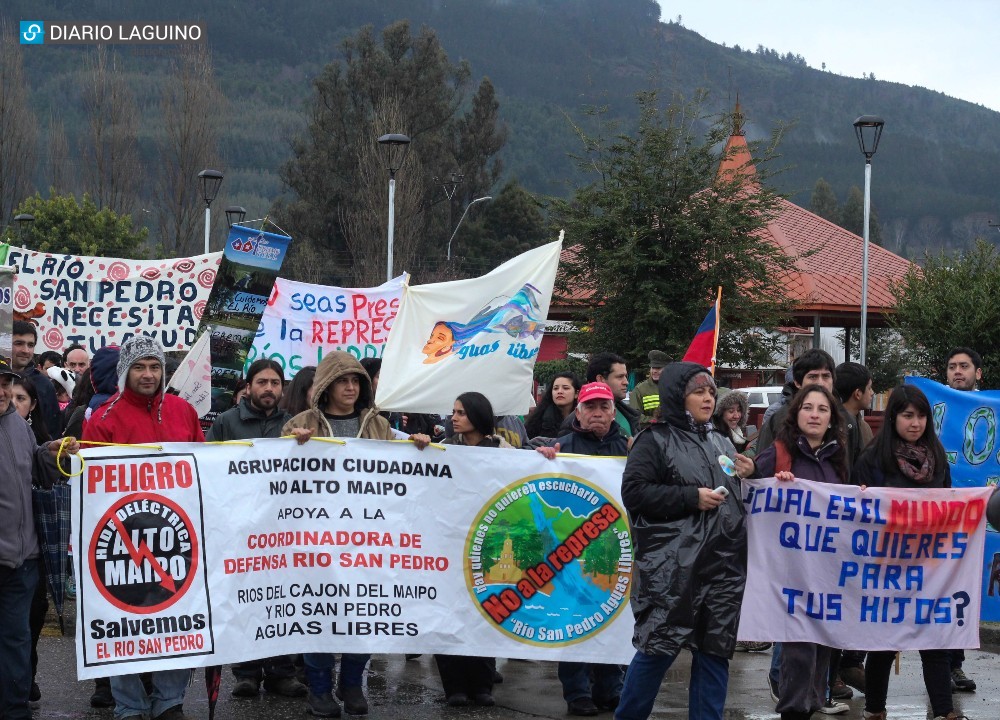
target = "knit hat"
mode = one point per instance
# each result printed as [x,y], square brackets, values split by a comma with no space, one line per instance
[135,349]
[702,379]
[62,377]
[658,359]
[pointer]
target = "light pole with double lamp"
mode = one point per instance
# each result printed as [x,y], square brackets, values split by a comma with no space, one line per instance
[868,128]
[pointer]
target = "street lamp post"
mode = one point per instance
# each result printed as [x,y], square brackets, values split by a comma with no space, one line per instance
[485,197]
[210,182]
[868,128]
[395,147]
[235,214]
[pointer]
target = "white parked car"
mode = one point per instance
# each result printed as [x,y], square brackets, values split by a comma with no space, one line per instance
[761,397]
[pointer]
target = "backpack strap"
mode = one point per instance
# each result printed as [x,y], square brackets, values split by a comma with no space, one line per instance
[782,458]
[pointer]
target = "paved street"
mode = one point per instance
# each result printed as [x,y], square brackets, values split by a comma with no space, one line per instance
[399,689]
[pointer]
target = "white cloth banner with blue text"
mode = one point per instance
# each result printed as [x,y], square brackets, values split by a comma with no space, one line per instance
[478,334]
[210,554]
[876,569]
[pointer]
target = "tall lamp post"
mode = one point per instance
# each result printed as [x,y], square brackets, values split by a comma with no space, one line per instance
[485,197]
[210,182]
[868,128]
[394,146]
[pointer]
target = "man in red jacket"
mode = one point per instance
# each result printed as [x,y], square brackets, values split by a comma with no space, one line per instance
[142,412]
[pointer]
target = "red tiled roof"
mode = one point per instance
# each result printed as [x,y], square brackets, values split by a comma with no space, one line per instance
[829,279]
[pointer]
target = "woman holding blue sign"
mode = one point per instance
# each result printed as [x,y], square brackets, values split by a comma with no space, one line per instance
[810,445]
[906,454]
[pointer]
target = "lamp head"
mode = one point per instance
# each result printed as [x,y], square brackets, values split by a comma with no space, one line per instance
[211,180]
[868,128]
[394,146]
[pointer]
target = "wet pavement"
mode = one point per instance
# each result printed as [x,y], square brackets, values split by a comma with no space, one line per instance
[399,689]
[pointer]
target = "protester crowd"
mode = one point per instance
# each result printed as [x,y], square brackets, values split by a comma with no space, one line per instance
[685,509]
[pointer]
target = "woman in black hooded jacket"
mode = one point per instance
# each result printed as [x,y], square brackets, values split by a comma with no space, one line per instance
[690,547]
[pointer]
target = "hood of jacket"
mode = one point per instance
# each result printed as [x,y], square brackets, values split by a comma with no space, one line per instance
[104,371]
[335,365]
[730,400]
[673,380]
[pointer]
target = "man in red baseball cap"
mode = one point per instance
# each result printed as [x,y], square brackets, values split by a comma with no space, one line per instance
[594,432]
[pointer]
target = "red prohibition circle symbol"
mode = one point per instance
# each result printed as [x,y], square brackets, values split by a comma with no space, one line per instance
[143,554]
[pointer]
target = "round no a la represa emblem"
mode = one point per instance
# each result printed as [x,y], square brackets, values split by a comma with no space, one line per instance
[549,560]
[144,553]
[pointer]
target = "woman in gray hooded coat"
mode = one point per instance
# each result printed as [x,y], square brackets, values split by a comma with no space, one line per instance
[690,547]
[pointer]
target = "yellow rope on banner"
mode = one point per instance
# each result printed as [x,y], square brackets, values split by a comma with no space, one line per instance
[334,441]
[62,447]
[437,446]
[248,443]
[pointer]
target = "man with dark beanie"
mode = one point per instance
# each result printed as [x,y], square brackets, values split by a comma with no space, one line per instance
[142,412]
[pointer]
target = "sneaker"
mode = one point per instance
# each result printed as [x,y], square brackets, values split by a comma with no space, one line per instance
[745,646]
[874,715]
[246,689]
[854,676]
[839,690]
[457,700]
[353,698]
[951,716]
[102,694]
[484,699]
[322,705]
[962,682]
[174,713]
[832,707]
[583,707]
[285,687]
[772,687]
[71,588]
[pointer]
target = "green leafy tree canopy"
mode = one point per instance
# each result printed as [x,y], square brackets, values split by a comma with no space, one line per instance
[659,229]
[64,225]
[951,302]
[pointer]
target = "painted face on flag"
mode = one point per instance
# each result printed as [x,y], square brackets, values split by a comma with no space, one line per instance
[439,344]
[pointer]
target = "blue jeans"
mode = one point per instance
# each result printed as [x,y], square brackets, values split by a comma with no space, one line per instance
[706,692]
[575,679]
[319,667]
[774,674]
[17,588]
[131,699]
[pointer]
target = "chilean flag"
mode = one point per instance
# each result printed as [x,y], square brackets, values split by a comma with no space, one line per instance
[706,340]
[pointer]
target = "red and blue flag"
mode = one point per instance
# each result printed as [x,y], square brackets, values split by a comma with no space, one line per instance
[706,341]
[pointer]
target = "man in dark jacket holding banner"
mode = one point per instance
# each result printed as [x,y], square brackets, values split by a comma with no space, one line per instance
[594,432]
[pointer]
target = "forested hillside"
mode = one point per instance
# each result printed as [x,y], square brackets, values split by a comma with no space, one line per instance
[548,60]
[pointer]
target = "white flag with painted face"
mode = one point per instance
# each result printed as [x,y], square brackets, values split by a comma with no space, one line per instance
[481,334]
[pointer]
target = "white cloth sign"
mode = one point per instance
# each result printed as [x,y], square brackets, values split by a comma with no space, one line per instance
[208,554]
[303,322]
[98,301]
[479,334]
[192,380]
[879,569]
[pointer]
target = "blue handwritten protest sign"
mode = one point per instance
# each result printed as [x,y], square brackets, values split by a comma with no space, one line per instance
[890,568]
[966,423]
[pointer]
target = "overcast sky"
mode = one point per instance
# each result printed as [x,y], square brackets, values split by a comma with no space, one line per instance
[946,46]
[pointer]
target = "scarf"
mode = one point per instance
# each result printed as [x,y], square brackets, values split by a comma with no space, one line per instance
[702,429]
[916,462]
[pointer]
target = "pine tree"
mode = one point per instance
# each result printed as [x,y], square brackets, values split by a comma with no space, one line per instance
[824,201]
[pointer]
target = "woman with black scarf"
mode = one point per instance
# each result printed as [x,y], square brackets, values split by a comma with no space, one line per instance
[906,454]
